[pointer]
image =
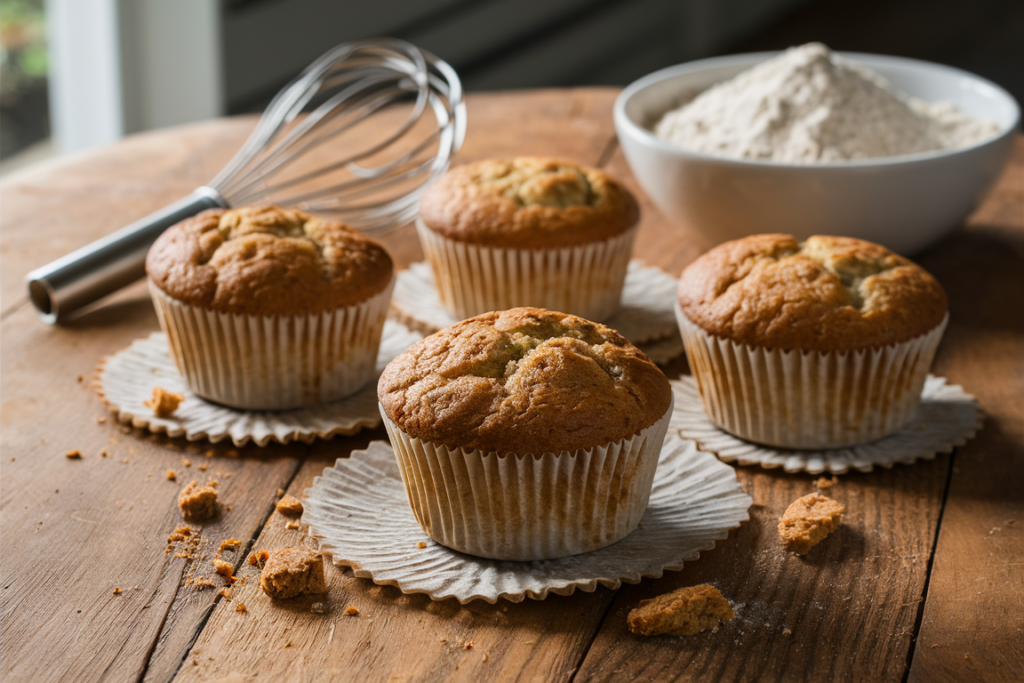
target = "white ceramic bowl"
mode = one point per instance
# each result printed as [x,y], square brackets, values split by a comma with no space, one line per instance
[905,203]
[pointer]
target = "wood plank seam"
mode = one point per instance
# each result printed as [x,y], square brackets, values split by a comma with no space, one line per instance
[928,571]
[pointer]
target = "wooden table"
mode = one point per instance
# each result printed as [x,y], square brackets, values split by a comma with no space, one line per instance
[923,581]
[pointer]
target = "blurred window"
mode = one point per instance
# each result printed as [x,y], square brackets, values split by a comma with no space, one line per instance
[24,117]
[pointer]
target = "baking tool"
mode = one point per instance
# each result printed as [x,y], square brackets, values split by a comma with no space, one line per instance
[375,186]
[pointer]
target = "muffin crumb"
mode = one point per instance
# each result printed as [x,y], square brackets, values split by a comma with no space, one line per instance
[223,568]
[421,545]
[824,483]
[351,610]
[293,525]
[240,607]
[317,608]
[164,403]
[197,503]
[808,521]
[226,592]
[117,591]
[73,455]
[290,572]
[229,544]
[171,476]
[258,558]
[682,612]
[289,506]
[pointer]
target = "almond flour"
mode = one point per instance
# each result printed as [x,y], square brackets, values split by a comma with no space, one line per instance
[809,105]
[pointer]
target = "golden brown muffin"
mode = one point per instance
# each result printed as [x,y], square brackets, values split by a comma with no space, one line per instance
[528,203]
[825,294]
[525,380]
[267,261]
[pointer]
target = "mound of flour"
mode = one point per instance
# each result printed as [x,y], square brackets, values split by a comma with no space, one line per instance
[809,105]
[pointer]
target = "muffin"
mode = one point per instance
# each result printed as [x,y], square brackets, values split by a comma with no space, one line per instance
[817,344]
[526,434]
[268,308]
[530,231]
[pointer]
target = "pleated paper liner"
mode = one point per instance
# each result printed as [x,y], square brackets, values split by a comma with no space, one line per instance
[947,417]
[359,511]
[473,279]
[126,379]
[645,315]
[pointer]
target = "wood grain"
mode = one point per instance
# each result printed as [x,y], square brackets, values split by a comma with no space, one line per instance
[973,619]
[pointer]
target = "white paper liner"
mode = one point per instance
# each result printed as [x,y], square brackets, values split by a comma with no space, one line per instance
[793,399]
[946,418]
[359,512]
[645,315]
[532,507]
[584,280]
[274,362]
[126,379]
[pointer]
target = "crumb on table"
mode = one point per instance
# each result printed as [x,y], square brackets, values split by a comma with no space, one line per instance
[240,607]
[163,403]
[224,568]
[290,506]
[352,610]
[824,483]
[171,476]
[682,612]
[229,544]
[293,525]
[197,502]
[117,591]
[808,521]
[317,608]
[290,572]
[74,455]
[421,545]
[258,558]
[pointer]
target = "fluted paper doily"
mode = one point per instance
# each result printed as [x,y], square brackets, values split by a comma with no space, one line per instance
[126,379]
[359,512]
[947,418]
[645,317]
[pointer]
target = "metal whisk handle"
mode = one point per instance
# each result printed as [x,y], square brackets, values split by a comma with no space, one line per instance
[108,264]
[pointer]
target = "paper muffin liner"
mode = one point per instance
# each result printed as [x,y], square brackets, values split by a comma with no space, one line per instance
[645,315]
[946,418]
[357,510]
[812,400]
[584,280]
[274,362]
[126,379]
[529,507]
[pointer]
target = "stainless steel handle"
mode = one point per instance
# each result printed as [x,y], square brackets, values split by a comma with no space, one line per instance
[108,264]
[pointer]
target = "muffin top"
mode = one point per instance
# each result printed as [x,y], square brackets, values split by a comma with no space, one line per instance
[524,381]
[825,294]
[528,203]
[267,261]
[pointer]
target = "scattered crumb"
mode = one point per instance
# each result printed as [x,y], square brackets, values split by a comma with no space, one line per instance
[202,583]
[74,455]
[164,402]
[468,645]
[231,453]
[808,521]
[209,454]
[258,558]
[197,502]
[280,492]
[223,568]
[317,608]
[117,591]
[787,632]
[824,483]
[290,572]
[186,462]
[240,607]
[225,592]
[289,506]
[171,475]
[203,468]
[101,420]
[104,453]
[230,544]
[935,646]
[80,378]
[421,544]
[293,525]
[485,656]
[682,612]
[351,610]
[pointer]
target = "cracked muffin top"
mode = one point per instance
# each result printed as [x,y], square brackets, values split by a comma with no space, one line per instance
[825,294]
[267,261]
[524,381]
[528,203]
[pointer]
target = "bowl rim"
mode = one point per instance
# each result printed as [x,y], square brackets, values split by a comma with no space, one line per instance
[625,124]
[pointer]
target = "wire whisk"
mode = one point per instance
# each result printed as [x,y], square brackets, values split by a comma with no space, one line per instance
[358,136]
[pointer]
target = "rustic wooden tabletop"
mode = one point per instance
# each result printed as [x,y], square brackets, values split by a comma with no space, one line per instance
[924,581]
